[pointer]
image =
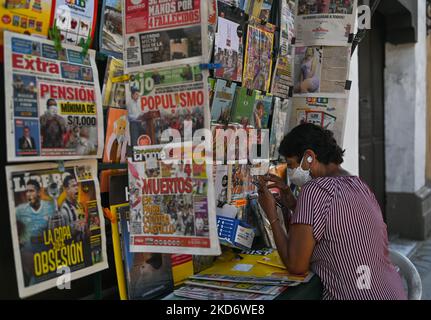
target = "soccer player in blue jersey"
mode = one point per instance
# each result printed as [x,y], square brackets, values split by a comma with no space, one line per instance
[32,220]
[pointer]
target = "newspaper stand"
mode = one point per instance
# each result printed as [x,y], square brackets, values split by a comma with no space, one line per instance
[228,228]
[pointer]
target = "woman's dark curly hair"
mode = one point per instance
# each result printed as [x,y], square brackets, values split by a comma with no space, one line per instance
[309,136]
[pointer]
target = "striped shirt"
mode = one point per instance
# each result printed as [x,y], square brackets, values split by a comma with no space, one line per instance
[351,253]
[70,211]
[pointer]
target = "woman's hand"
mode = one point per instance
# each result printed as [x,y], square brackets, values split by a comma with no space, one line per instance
[277,182]
[266,200]
[286,197]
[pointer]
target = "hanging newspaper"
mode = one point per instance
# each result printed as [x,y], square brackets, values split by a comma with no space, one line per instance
[114,88]
[163,99]
[258,55]
[111,28]
[327,112]
[160,33]
[76,20]
[53,101]
[283,73]
[172,197]
[172,208]
[325,23]
[321,70]
[212,26]
[57,224]
[229,50]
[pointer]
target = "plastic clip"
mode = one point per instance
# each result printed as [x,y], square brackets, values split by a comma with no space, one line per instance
[85,45]
[108,215]
[55,35]
[351,38]
[250,92]
[348,85]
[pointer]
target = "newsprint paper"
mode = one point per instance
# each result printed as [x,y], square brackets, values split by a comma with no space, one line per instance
[52,100]
[57,224]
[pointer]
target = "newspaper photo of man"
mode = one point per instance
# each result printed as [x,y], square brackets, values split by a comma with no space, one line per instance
[73,212]
[118,140]
[52,126]
[26,142]
[32,220]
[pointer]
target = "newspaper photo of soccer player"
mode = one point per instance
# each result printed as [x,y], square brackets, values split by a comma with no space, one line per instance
[55,219]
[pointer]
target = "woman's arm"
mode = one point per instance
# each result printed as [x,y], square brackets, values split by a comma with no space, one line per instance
[296,247]
[300,246]
[286,197]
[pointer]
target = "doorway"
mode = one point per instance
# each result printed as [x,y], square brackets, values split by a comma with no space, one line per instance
[371,109]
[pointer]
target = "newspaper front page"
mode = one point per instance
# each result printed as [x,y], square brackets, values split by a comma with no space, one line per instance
[164,33]
[52,100]
[57,224]
[325,23]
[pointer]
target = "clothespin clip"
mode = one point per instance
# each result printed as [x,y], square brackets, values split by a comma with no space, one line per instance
[210,66]
[55,35]
[85,45]
[108,215]
[61,166]
[293,41]
[250,92]
[263,22]
[348,85]
[229,83]
[138,77]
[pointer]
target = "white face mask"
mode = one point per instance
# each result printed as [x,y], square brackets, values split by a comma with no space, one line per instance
[299,176]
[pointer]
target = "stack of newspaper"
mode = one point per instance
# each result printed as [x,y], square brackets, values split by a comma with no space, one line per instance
[241,277]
